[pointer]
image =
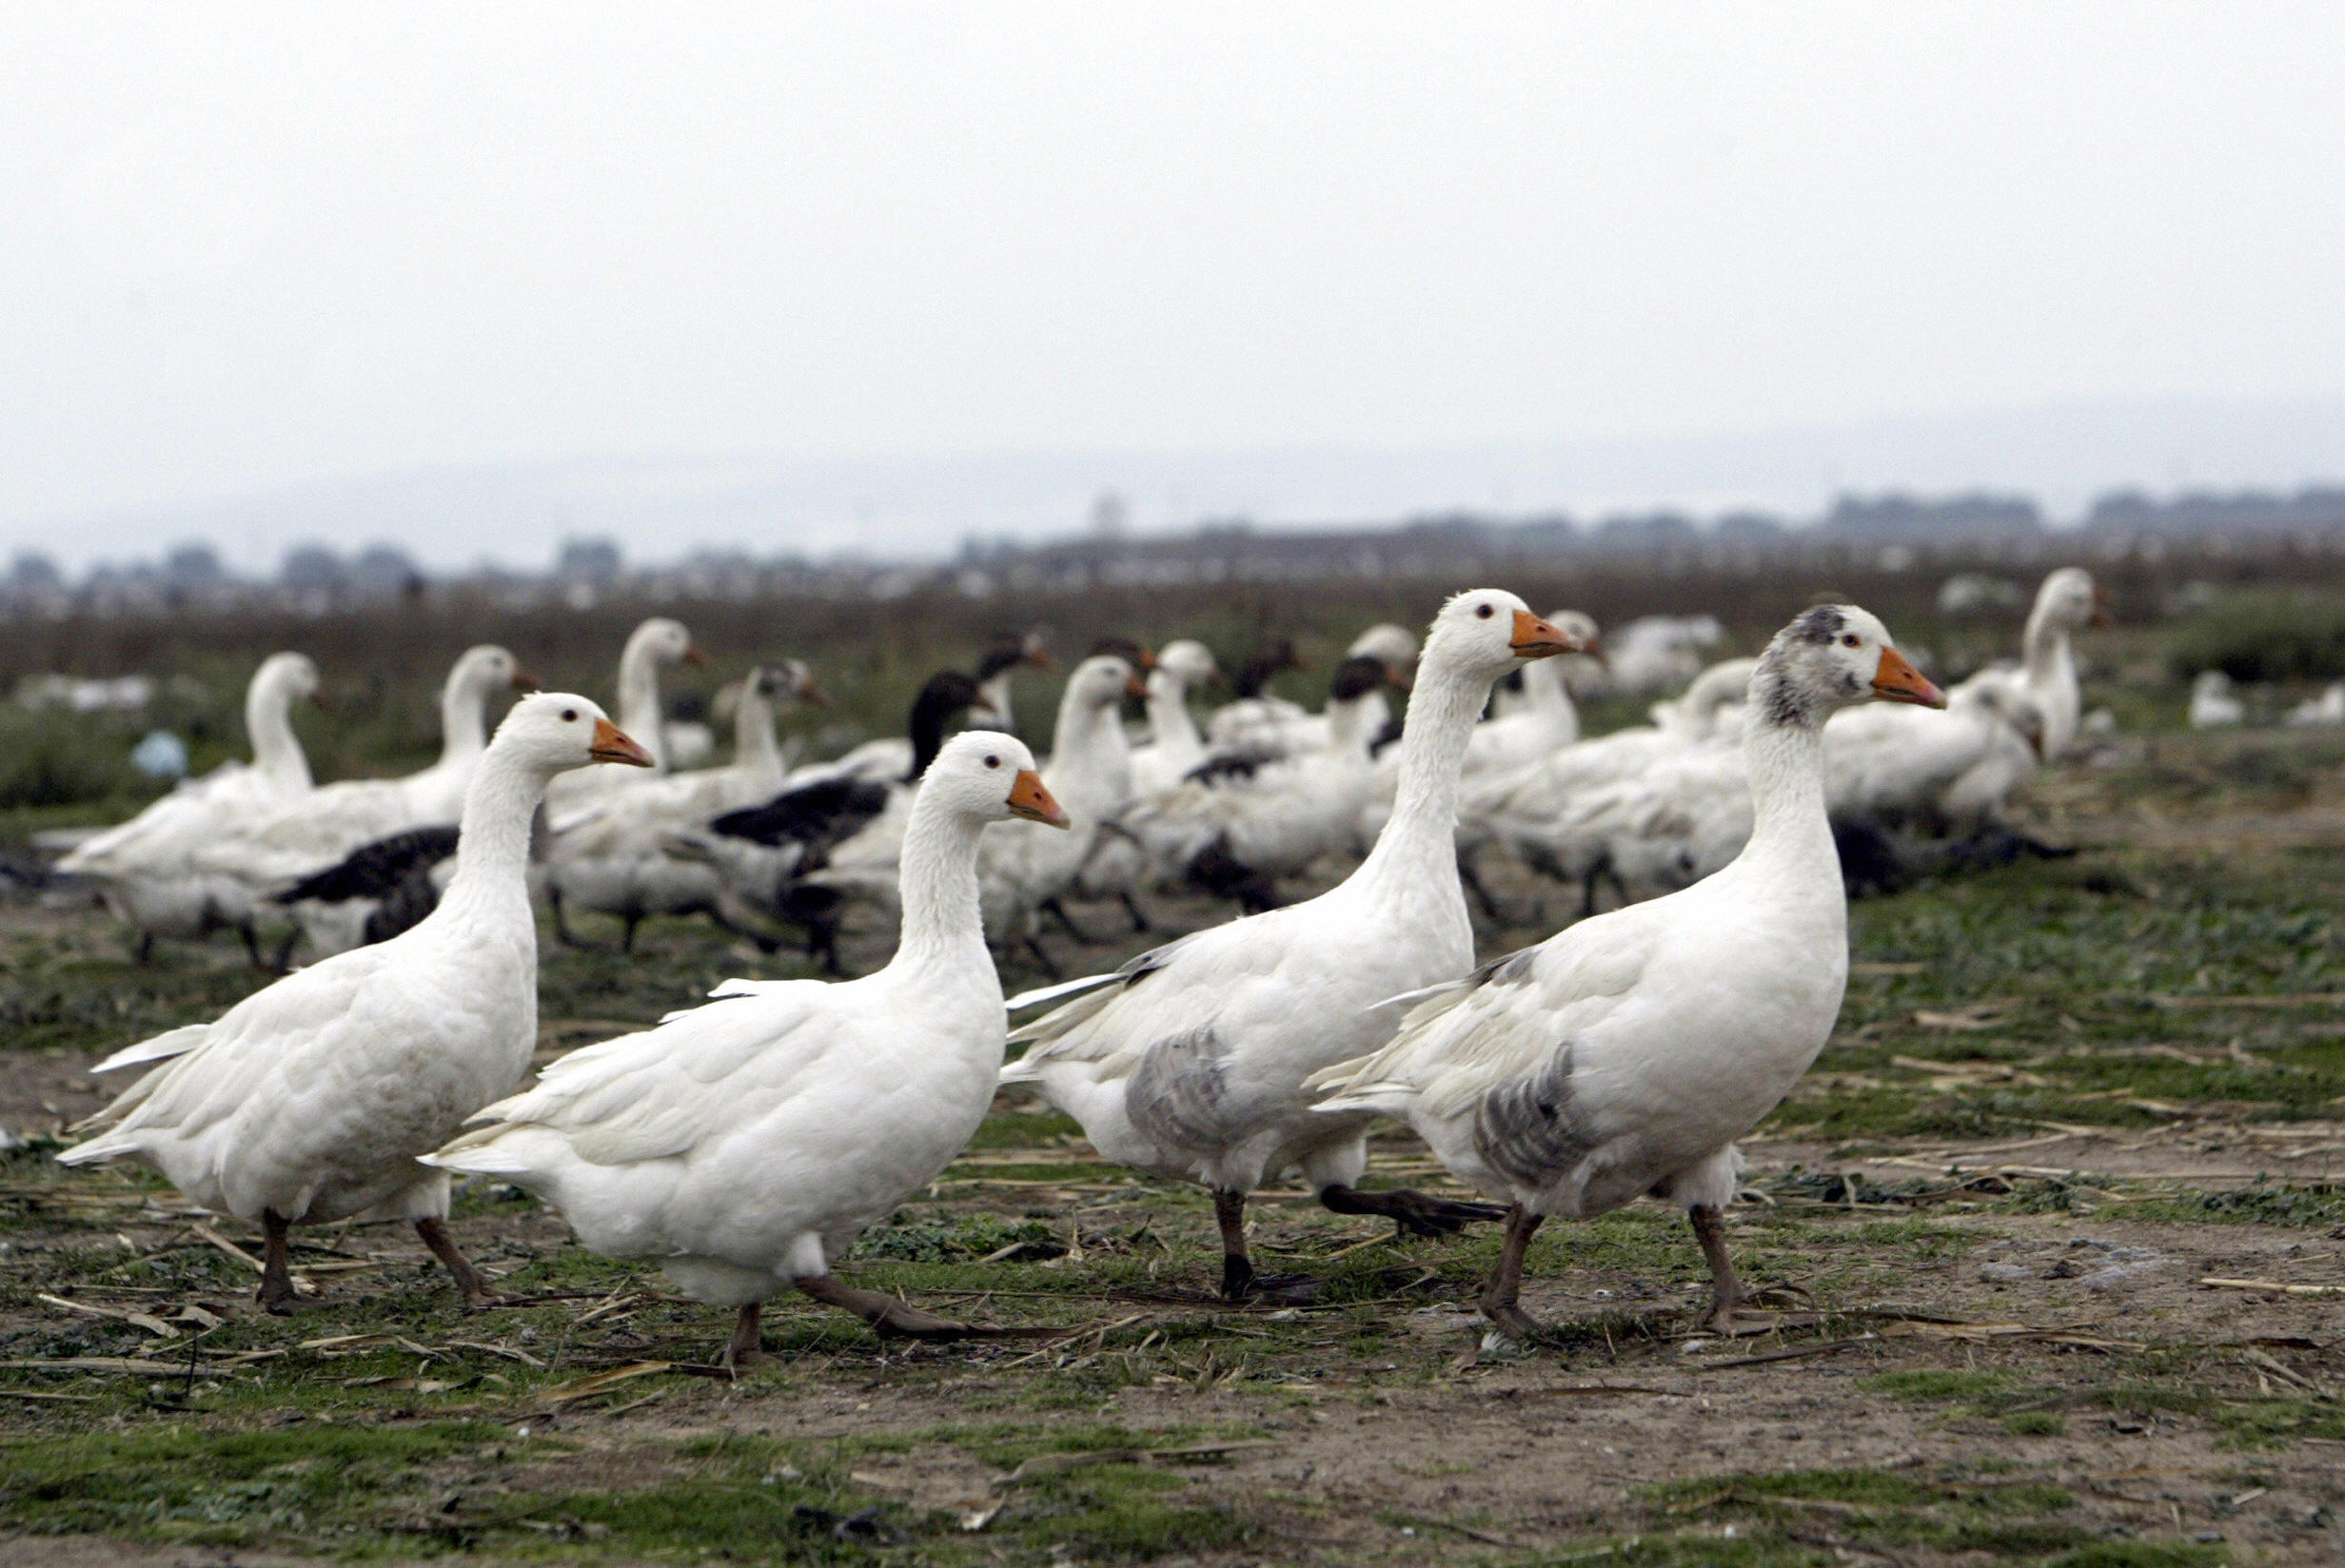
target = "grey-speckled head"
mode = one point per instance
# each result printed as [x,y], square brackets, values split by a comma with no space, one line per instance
[1833,656]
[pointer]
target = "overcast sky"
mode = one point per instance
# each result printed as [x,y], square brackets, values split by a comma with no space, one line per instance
[249,248]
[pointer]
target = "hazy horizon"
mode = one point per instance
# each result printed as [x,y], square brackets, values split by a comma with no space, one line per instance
[797,277]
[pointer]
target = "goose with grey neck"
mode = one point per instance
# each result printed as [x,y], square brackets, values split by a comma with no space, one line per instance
[1191,1060]
[745,1144]
[1624,1056]
[313,1101]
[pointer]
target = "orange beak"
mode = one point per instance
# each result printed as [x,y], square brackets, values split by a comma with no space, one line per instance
[1595,649]
[2101,610]
[809,691]
[1536,638]
[1898,681]
[694,656]
[1031,800]
[612,745]
[1133,687]
[524,680]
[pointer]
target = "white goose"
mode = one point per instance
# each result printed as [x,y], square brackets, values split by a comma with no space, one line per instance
[1191,1059]
[311,1101]
[612,856]
[1270,726]
[1119,866]
[745,1144]
[1625,1056]
[1535,719]
[1244,823]
[140,867]
[2065,604]
[266,851]
[1528,811]
[1174,743]
[1022,875]
[2213,703]
[654,645]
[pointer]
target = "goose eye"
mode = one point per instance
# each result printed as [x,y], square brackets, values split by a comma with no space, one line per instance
[1484,611]
[1852,640]
[993,763]
[569,716]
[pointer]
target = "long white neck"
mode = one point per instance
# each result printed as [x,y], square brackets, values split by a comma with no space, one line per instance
[1170,722]
[1546,694]
[2046,647]
[1353,722]
[755,748]
[993,693]
[464,718]
[2051,678]
[276,750]
[492,844]
[638,702]
[938,873]
[1791,837]
[1091,756]
[1418,841]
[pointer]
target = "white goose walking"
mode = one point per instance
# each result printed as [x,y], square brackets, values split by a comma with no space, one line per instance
[1626,1054]
[745,1144]
[1191,1059]
[312,1100]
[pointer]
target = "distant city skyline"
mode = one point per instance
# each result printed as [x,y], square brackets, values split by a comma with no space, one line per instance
[2061,457]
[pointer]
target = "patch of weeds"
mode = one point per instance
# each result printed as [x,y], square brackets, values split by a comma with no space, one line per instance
[1937,1383]
[2276,1423]
[2261,1202]
[2138,1553]
[956,1239]
[224,1487]
[2035,1424]
[1037,1130]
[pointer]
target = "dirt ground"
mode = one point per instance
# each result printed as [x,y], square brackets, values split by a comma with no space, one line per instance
[2053,1250]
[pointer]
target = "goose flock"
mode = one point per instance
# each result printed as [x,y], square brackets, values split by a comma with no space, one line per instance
[745,1143]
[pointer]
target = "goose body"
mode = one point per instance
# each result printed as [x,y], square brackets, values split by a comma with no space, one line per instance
[310,1100]
[1626,1054]
[2213,703]
[1237,825]
[1089,772]
[143,869]
[1263,726]
[1191,1060]
[265,851]
[615,857]
[745,1144]
[1533,811]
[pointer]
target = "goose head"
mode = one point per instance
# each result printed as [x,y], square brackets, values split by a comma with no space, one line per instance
[662,640]
[2069,598]
[984,775]
[553,732]
[1134,653]
[1101,682]
[1390,644]
[785,680]
[1834,656]
[1485,631]
[292,675]
[1357,676]
[1581,627]
[486,669]
[1184,663]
